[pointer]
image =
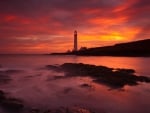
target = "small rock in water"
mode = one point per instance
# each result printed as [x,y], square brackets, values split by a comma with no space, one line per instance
[86,85]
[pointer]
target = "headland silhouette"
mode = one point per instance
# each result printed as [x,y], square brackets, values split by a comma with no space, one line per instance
[135,48]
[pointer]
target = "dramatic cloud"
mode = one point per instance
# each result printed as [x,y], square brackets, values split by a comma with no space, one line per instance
[43,26]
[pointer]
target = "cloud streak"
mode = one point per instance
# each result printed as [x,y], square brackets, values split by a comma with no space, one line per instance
[43,26]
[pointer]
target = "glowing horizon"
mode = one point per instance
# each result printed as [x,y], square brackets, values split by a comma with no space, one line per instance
[45,26]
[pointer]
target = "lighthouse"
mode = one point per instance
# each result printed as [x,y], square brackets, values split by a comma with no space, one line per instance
[75,41]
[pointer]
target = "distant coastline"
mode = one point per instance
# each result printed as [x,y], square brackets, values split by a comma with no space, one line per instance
[139,48]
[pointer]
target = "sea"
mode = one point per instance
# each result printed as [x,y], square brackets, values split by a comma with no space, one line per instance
[43,89]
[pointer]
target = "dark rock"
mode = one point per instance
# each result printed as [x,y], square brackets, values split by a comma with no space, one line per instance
[84,69]
[143,79]
[2,96]
[126,70]
[12,104]
[104,75]
[52,67]
[114,78]
[86,85]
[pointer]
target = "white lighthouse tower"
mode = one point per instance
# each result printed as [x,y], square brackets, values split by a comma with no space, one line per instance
[75,41]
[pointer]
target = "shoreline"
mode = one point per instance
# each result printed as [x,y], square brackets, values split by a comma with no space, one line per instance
[114,78]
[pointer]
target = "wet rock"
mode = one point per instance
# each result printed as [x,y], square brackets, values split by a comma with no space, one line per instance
[143,79]
[131,71]
[2,96]
[10,104]
[114,78]
[80,69]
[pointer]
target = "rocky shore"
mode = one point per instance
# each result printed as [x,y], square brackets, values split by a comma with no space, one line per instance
[13,105]
[111,77]
[114,78]
[10,104]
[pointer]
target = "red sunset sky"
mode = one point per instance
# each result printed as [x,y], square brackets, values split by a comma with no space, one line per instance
[44,26]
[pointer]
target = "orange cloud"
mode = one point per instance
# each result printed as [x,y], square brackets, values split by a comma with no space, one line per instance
[36,28]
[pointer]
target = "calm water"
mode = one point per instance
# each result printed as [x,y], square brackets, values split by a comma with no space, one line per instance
[39,88]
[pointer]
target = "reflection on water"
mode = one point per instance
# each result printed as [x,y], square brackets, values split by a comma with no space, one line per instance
[44,88]
[140,64]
